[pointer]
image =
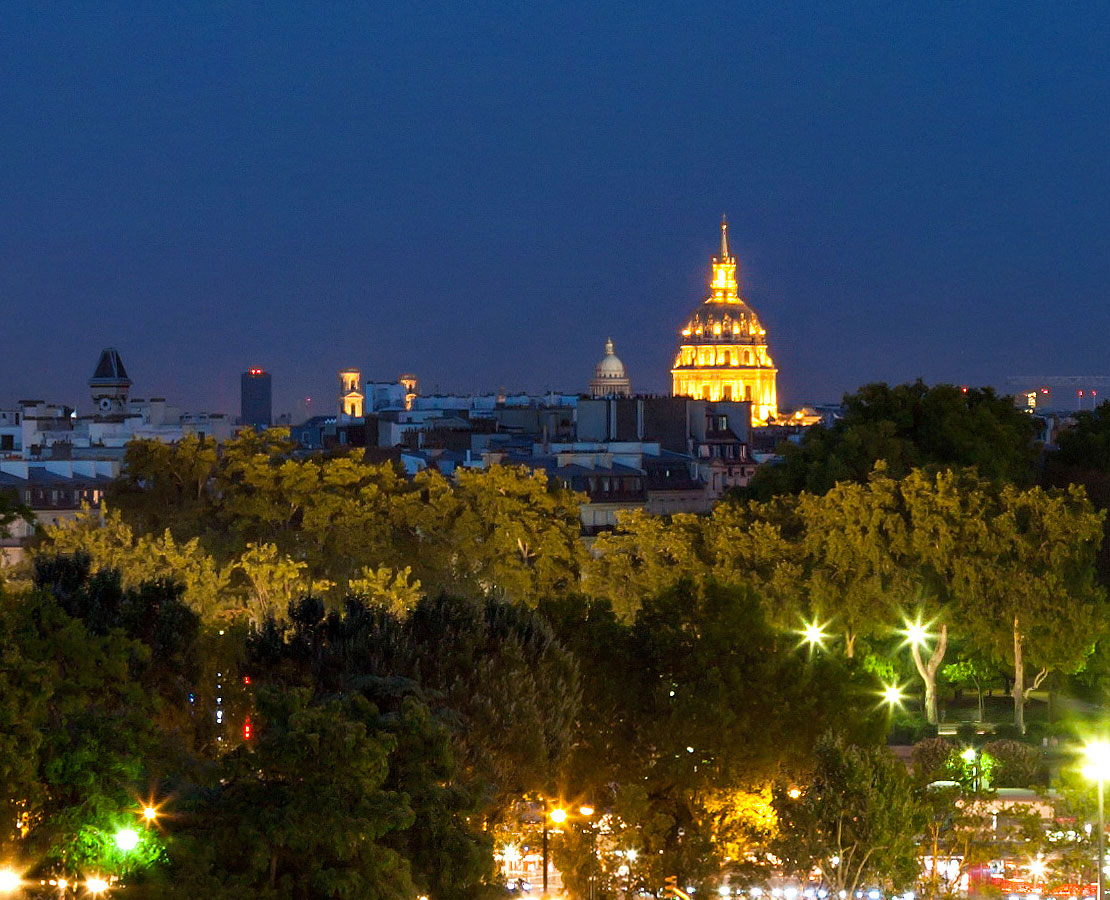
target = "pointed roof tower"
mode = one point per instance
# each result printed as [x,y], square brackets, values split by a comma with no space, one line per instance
[110,384]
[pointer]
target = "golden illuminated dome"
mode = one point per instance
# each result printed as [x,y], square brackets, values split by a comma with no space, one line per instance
[723,353]
[610,378]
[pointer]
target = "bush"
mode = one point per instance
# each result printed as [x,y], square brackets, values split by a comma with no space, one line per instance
[967,732]
[1017,764]
[931,757]
[1009,732]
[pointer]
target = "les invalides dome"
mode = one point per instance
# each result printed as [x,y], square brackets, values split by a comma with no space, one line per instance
[723,351]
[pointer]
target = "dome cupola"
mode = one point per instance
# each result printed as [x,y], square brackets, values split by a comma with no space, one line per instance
[723,353]
[610,378]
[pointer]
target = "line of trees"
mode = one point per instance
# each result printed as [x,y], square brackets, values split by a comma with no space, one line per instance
[342,680]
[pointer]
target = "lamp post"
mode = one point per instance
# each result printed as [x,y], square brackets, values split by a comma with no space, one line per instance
[971,757]
[1097,768]
[558,816]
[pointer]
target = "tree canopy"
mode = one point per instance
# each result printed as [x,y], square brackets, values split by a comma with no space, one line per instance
[908,426]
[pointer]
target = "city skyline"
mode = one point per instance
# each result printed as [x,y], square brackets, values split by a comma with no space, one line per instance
[482,196]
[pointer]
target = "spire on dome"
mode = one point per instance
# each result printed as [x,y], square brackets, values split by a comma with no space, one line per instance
[610,350]
[724,287]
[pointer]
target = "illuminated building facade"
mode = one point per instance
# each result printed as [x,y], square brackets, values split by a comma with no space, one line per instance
[723,353]
[351,397]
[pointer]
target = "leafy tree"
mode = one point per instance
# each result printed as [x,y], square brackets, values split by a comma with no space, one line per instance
[664,698]
[907,426]
[299,812]
[11,511]
[975,669]
[365,651]
[79,723]
[854,542]
[1086,445]
[968,829]
[110,543]
[855,820]
[1034,570]
[493,671]
[502,529]
[947,515]
[165,487]
[644,555]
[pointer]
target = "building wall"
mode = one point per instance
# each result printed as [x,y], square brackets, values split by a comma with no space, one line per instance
[256,398]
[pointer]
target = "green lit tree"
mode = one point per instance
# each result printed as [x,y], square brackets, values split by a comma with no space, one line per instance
[855,820]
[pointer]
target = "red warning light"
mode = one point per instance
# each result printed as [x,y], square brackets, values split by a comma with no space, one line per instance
[254,370]
[246,679]
[247,729]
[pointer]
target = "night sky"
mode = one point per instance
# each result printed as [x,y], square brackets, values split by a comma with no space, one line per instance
[480,193]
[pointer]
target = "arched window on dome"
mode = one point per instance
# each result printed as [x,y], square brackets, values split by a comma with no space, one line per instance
[726,359]
[747,357]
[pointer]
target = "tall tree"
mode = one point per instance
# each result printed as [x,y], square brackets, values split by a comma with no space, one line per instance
[300,812]
[1030,592]
[908,426]
[855,820]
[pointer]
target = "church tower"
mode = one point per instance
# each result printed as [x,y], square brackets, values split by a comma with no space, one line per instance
[110,385]
[351,397]
[723,353]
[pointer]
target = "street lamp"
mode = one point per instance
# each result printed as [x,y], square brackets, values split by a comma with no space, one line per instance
[127,839]
[1097,768]
[559,816]
[96,885]
[971,757]
[9,881]
[814,634]
[892,695]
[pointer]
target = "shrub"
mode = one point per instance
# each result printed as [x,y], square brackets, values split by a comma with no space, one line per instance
[931,757]
[1017,764]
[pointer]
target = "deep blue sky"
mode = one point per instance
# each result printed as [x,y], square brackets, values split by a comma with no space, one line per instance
[481,192]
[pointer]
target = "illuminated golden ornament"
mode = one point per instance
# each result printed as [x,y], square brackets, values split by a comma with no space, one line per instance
[723,352]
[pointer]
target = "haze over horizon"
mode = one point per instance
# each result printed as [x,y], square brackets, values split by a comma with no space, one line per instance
[482,193]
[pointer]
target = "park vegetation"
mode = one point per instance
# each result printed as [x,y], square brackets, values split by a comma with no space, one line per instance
[333,681]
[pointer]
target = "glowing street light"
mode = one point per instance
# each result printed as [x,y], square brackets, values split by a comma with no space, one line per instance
[814,634]
[96,885]
[558,815]
[893,695]
[585,810]
[150,813]
[916,633]
[1097,769]
[9,881]
[127,839]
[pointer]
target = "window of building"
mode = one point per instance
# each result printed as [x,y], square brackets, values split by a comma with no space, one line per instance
[727,392]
